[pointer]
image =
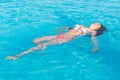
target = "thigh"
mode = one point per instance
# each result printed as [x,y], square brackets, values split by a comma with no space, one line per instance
[58,41]
[47,37]
[44,38]
[55,41]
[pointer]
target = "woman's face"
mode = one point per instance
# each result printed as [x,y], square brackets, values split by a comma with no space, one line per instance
[95,26]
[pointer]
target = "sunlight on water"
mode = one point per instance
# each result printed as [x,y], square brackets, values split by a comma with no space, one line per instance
[22,21]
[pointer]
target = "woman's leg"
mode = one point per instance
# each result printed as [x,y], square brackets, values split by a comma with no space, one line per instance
[53,41]
[44,38]
[40,46]
[23,53]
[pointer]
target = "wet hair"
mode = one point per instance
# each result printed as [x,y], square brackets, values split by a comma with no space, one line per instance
[101,30]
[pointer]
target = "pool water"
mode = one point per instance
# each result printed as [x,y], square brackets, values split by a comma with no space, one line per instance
[21,21]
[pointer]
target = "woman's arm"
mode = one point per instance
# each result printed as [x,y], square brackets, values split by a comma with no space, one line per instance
[64,28]
[94,42]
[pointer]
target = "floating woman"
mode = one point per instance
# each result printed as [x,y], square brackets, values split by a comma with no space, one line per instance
[93,30]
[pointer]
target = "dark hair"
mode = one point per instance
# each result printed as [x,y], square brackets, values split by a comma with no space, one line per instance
[101,30]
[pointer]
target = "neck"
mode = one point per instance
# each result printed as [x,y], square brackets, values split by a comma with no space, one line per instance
[90,30]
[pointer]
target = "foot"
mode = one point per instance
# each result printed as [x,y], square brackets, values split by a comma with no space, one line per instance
[11,58]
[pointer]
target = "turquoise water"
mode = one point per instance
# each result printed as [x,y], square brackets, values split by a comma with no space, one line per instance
[21,21]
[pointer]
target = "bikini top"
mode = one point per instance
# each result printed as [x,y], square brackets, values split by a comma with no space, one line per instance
[83,31]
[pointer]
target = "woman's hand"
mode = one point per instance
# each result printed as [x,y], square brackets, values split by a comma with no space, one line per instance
[63,28]
[94,50]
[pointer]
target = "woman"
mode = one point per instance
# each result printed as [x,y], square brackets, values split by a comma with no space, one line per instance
[78,30]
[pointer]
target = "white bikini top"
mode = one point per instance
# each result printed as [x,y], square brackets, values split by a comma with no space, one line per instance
[83,31]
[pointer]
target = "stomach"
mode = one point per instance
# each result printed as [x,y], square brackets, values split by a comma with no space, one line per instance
[72,33]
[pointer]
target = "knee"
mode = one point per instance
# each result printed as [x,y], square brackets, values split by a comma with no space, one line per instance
[35,41]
